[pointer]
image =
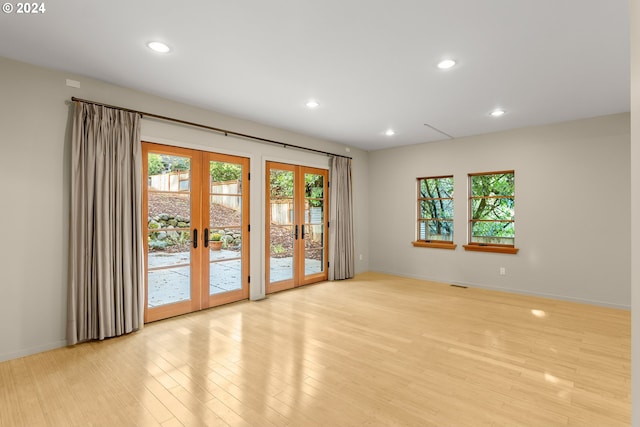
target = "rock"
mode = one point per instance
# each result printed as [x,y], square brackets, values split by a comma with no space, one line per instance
[155,244]
[172,235]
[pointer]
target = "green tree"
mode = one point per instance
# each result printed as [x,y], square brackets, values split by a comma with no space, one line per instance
[438,193]
[493,201]
[179,163]
[221,171]
[314,188]
[281,184]
[156,165]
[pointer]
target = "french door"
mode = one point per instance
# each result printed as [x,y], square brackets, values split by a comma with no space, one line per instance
[196,210]
[297,224]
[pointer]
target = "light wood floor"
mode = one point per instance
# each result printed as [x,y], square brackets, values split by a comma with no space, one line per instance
[374,351]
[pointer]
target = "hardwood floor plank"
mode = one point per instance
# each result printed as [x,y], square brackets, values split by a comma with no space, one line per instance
[377,350]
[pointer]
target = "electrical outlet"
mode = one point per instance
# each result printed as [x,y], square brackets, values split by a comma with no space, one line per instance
[503,271]
[360,257]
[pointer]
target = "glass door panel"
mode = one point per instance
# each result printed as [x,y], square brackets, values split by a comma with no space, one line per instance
[314,247]
[168,230]
[170,195]
[225,227]
[281,226]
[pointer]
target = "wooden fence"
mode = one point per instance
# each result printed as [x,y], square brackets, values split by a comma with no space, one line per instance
[225,193]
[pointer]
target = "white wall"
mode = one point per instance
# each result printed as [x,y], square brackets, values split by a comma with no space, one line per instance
[34,208]
[635,210]
[572,210]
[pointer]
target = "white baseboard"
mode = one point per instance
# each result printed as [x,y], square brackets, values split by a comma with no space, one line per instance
[32,350]
[514,291]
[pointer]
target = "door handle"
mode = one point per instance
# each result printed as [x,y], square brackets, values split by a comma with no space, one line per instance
[296,232]
[302,232]
[206,237]
[195,238]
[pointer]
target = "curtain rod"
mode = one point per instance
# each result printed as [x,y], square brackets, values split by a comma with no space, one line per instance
[211,128]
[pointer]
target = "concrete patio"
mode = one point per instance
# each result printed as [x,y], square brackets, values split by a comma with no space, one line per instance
[172,284]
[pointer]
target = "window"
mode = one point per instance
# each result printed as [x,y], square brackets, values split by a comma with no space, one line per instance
[491,212]
[435,212]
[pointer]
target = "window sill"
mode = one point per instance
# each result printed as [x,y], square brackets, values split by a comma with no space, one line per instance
[490,248]
[436,245]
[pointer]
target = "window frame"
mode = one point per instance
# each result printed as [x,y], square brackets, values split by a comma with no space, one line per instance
[481,246]
[438,244]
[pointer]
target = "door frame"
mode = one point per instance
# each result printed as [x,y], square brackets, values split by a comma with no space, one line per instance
[299,277]
[199,263]
[194,303]
[243,292]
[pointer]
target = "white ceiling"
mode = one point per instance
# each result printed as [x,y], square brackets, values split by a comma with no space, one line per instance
[371,64]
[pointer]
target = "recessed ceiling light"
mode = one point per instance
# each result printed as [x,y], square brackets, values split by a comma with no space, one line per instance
[497,113]
[312,104]
[446,64]
[390,132]
[158,47]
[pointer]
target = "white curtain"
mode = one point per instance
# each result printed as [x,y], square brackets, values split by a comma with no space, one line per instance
[105,289]
[341,257]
